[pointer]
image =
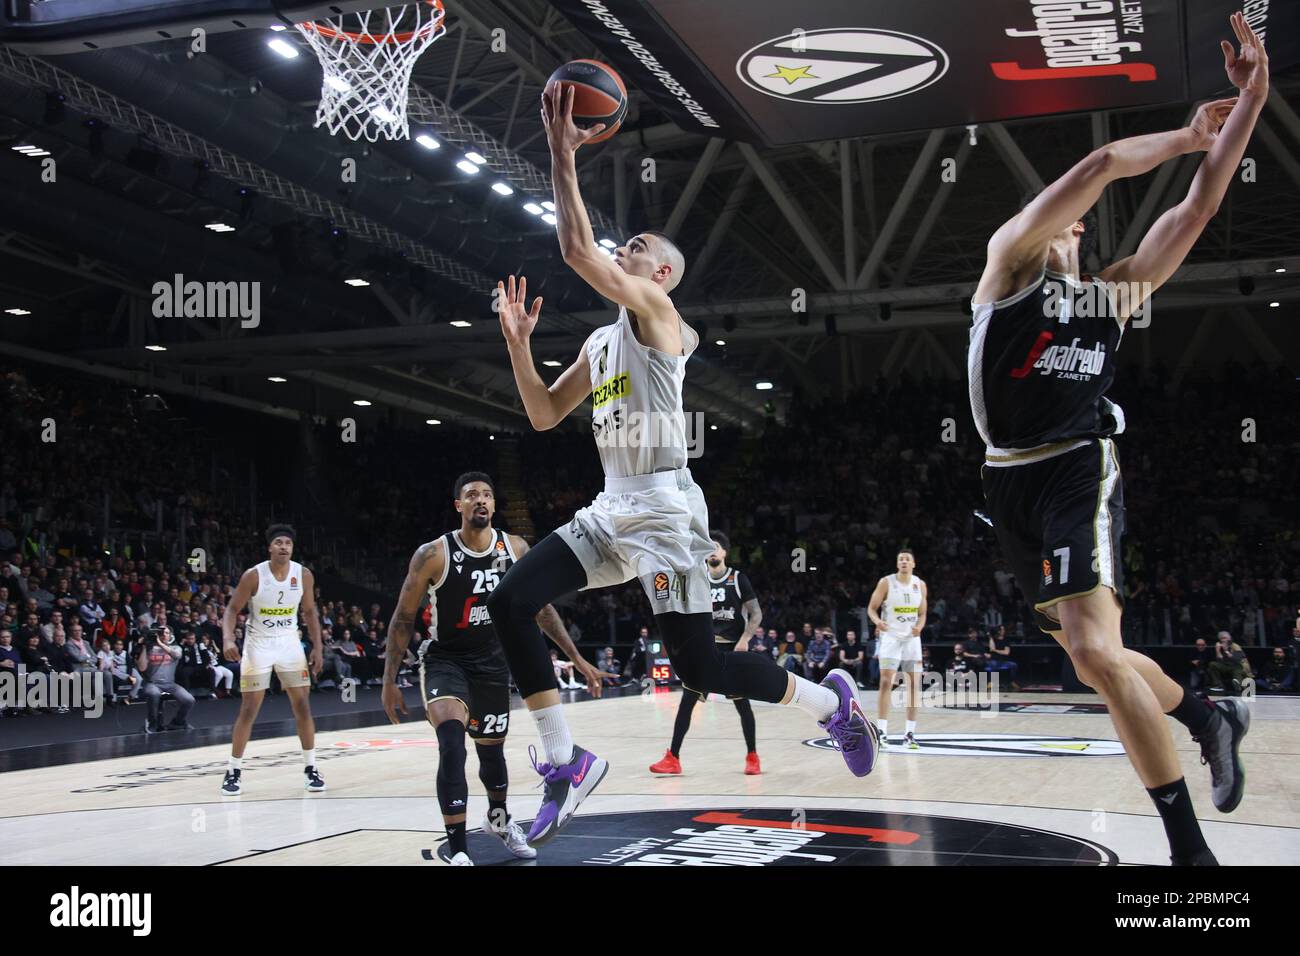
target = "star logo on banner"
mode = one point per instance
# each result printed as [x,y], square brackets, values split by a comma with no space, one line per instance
[792,74]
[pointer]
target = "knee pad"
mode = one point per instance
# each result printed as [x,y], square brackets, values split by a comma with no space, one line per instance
[453,791]
[492,771]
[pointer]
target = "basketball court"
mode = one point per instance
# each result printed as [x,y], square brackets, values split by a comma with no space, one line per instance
[1015,789]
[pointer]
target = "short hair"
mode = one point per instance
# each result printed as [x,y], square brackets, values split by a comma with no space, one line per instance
[472,476]
[721,539]
[672,255]
[907,551]
[276,530]
[1088,242]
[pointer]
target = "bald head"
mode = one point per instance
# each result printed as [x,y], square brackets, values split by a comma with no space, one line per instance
[667,254]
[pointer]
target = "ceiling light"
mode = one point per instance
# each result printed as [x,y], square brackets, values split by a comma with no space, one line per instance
[459,324]
[433,421]
[548,206]
[465,166]
[286,50]
[720,342]
[552,363]
[609,244]
[361,401]
[474,157]
[1274,305]
[278,27]
[1280,269]
[156,348]
[17,312]
[502,188]
[357,283]
[763,386]
[338,83]
[219,227]
[532,207]
[427,141]
[383,114]
[547,217]
[276,378]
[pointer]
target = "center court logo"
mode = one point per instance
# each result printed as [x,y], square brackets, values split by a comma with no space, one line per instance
[842,65]
[788,836]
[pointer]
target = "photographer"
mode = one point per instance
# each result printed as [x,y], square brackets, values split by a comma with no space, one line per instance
[157,665]
[1230,668]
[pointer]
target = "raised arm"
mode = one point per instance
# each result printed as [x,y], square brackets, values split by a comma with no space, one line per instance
[573,228]
[426,565]
[1227,125]
[546,406]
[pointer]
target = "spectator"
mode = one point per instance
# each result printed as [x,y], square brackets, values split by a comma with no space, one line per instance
[999,657]
[1200,661]
[157,664]
[563,672]
[112,663]
[635,670]
[1279,673]
[848,655]
[35,659]
[758,644]
[608,664]
[789,653]
[973,649]
[10,657]
[90,611]
[374,659]
[349,656]
[1229,667]
[817,660]
[223,671]
[77,655]
[195,669]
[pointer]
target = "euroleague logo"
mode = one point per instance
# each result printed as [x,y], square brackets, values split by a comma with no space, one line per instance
[842,65]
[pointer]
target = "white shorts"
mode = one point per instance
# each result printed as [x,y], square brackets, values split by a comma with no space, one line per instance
[282,655]
[899,653]
[652,527]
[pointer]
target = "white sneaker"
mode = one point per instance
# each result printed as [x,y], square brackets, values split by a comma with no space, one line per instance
[460,859]
[513,837]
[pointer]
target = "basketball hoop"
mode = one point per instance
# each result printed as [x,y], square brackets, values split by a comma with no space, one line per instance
[366,59]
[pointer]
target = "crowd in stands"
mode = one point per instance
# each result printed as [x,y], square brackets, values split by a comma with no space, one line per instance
[816,507]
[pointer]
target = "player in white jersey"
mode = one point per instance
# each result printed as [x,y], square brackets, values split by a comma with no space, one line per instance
[898,640]
[274,592]
[651,521]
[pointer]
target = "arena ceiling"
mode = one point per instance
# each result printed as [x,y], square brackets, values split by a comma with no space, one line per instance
[152,145]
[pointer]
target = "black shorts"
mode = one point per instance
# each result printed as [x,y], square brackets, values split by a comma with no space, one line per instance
[1059,523]
[482,685]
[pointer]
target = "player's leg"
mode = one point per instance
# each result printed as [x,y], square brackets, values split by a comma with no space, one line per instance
[449,715]
[489,720]
[912,685]
[888,672]
[671,762]
[295,679]
[549,570]
[749,730]
[254,679]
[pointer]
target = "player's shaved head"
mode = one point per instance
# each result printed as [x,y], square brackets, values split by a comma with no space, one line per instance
[671,256]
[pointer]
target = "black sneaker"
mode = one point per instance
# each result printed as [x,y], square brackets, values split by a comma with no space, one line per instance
[180,725]
[230,786]
[313,782]
[1220,743]
[1201,858]
[153,727]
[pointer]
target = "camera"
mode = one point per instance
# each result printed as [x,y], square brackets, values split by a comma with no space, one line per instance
[154,635]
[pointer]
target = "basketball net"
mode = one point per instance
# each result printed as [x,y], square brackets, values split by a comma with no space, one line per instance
[366,59]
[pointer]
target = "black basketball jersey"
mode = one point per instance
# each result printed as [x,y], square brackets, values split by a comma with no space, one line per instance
[729,595]
[459,623]
[1040,363]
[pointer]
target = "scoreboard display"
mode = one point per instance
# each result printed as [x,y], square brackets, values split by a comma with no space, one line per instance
[657,665]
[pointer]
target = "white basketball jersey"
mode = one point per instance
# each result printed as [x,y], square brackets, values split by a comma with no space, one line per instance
[636,400]
[273,608]
[902,605]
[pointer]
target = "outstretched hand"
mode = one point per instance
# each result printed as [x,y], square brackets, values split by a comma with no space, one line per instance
[1209,119]
[557,117]
[517,322]
[1248,70]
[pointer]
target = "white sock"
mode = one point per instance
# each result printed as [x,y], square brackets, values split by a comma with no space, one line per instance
[814,699]
[911,726]
[309,758]
[883,725]
[554,729]
[234,763]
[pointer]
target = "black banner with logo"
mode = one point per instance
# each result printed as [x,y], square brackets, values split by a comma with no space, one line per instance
[775,74]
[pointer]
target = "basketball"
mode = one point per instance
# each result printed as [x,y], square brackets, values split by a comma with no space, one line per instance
[599,95]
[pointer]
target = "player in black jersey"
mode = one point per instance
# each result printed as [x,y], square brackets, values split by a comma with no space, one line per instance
[736,616]
[1042,355]
[463,676]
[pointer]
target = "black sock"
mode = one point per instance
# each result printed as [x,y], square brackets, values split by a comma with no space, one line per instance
[1174,805]
[683,721]
[747,725]
[456,838]
[1194,713]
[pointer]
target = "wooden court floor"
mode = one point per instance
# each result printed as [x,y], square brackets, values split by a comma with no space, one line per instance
[1044,784]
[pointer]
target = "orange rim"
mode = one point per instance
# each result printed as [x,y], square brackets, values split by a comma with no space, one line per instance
[334,34]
